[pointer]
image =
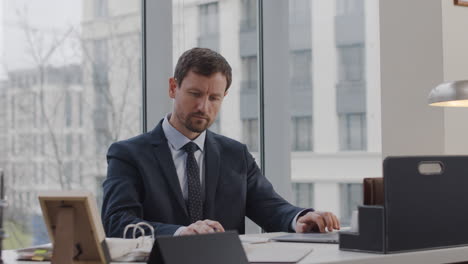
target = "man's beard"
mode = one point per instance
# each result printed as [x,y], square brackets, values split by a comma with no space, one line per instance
[197,126]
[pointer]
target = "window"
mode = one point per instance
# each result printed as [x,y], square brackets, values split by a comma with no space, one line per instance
[351,196]
[80,109]
[249,15]
[100,64]
[249,72]
[3,110]
[346,7]
[301,135]
[100,8]
[330,46]
[214,25]
[69,144]
[68,109]
[330,58]
[83,83]
[353,134]
[351,63]
[250,134]
[209,20]
[301,71]
[303,194]
[13,106]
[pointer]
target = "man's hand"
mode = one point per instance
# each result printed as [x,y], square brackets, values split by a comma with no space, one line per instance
[202,227]
[316,222]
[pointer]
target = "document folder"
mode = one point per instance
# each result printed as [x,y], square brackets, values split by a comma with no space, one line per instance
[422,210]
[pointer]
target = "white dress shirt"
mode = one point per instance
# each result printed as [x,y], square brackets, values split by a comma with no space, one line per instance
[176,141]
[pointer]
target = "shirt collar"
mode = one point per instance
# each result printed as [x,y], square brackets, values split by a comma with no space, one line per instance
[177,139]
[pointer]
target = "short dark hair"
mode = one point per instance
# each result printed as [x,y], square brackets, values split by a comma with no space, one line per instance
[204,62]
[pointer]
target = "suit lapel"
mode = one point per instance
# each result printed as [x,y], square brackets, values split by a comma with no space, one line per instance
[164,157]
[212,165]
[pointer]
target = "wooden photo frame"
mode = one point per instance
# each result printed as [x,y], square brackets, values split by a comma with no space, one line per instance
[460,2]
[74,227]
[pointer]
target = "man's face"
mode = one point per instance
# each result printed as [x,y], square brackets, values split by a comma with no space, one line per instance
[196,102]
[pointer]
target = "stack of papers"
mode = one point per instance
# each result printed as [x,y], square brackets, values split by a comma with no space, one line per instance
[36,253]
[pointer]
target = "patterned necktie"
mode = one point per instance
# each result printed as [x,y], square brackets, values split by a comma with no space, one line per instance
[195,204]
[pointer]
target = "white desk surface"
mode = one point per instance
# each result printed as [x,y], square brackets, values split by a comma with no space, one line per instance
[329,253]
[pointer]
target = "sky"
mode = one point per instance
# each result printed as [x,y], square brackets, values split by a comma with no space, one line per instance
[51,18]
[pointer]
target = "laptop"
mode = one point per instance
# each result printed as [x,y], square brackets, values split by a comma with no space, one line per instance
[330,237]
[214,248]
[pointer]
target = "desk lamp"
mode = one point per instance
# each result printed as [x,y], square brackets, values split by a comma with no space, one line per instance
[450,94]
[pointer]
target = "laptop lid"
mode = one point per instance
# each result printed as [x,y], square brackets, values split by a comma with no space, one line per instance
[214,248]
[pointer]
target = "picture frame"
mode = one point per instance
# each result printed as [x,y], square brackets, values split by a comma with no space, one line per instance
[74,227]
[460,2]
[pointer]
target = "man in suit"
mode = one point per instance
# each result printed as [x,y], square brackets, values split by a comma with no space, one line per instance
[184,179]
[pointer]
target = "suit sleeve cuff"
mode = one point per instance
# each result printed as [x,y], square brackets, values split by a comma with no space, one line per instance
[294,221]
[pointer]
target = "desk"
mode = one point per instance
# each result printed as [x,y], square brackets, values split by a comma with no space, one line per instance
[329,253]
[9,257]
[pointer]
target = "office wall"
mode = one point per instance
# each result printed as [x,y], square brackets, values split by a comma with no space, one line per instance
[411,64]
[455,43]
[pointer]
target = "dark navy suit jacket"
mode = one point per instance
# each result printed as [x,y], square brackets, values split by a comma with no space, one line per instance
[142,185]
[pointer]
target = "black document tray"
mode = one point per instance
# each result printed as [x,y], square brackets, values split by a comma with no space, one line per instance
[421,211]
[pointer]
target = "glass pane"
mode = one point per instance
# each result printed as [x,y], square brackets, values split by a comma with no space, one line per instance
[228,27]
[351,196]
[333,54]
[70,87]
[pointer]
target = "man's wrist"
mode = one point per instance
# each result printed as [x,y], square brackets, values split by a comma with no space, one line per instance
[179,230]
[301,213]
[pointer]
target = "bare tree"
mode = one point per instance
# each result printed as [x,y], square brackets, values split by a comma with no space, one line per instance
[111,80]
[41,55]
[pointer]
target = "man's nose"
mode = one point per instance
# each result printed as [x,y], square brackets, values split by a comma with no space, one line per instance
[203,104]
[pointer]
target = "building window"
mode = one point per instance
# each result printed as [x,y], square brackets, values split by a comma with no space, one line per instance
[301,134]
[350,198]
[249,72]
[209,20]
[100,65]
[68,109]
[100,8]
[347,7]
[249,15]
[81,145]
[69,144]
[301,69]
[80,109]
[13,111]
[68,173]
[350,63]
[3,112]
[250,133]
[303,194]
[353,133]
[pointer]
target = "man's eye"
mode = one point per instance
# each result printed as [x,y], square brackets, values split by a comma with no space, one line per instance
[195,94]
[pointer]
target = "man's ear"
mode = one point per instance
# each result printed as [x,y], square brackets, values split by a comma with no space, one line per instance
[172,87]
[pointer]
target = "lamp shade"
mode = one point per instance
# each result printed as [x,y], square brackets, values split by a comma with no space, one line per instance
[451,94]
